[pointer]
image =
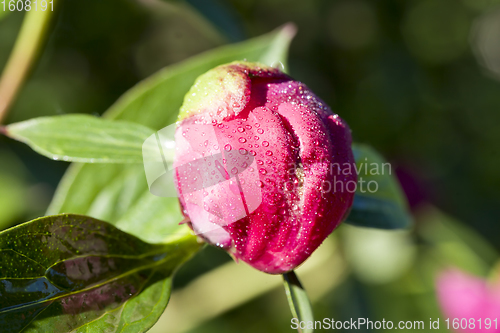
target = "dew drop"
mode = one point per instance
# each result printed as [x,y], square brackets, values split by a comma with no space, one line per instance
[265,143]
[260,131]
[269,153]
[262,171]
[227,147]
[241,129]
[242,140]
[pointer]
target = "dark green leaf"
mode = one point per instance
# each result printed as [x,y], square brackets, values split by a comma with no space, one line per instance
[82,138]
[74,273]
[297,300]
[379,201]
[119,193]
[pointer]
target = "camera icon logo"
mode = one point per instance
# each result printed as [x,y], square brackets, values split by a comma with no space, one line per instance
[217,185]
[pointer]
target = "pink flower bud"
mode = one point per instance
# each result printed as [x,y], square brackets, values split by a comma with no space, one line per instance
[471,303]
[263,167]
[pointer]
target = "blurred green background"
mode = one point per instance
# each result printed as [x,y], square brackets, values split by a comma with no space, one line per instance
[418,80]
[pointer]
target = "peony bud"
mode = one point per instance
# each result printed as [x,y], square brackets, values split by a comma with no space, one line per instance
[462,295]
[263,168]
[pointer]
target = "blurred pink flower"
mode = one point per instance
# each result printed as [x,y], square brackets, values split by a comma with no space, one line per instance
[462,295]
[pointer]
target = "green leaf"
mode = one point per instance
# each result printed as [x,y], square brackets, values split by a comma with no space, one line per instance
[379,201]
[155,102]
[12,199]
[82,138]
[74,273]
[119,193]
[277,53]
[297,300]
[14,189]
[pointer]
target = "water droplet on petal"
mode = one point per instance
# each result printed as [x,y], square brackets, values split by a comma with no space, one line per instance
[265,144]
[227,147]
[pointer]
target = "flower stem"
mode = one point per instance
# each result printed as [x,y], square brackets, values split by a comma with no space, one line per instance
[24,53]
[299,302]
